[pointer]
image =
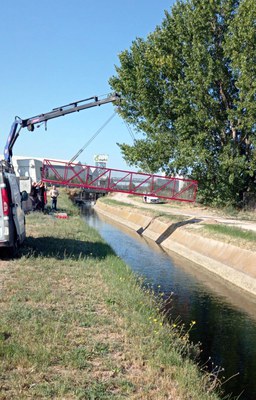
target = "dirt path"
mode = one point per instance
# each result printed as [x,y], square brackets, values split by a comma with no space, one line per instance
[190,210]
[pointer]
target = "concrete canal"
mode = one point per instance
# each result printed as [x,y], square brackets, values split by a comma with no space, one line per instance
[225,318]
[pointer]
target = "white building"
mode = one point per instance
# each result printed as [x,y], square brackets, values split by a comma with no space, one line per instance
[28,167]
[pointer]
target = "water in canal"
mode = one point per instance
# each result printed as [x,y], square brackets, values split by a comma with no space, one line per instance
[225,318]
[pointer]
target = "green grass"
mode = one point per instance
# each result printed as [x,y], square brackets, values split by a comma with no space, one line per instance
[231,231]
[111,202]
[76,324]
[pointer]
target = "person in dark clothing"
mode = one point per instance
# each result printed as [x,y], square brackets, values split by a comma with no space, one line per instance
[41,195]
[34,195]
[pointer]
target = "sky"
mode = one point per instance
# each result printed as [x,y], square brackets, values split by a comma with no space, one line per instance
[56,52]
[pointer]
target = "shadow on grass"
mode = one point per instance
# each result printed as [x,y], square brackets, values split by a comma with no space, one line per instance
[64,248]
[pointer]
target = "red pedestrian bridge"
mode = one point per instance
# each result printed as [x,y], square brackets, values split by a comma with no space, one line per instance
[113,180]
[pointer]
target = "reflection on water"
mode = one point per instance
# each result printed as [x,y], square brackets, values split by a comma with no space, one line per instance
[225,318]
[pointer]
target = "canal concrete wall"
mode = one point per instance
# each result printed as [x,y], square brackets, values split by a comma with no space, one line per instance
[233,264]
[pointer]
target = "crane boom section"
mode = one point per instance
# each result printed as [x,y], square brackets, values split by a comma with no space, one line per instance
[67,109]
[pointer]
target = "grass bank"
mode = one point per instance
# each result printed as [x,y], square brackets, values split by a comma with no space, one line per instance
[233,232]
[165,216]
[75,323]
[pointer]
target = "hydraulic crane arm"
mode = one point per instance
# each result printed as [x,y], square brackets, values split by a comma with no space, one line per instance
[55,113]
[67,109]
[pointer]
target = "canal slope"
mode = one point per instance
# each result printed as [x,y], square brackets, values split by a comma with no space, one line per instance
[234,264]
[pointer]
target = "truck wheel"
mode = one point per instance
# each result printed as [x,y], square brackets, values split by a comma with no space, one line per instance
[13,249]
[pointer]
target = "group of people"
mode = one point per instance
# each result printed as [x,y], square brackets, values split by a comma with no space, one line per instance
[38,196]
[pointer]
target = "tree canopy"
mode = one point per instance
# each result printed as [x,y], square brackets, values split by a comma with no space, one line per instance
[189,88]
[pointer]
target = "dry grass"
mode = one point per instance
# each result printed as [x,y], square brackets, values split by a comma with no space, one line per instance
[63,338]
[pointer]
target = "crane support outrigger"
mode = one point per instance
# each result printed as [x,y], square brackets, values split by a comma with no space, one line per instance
[30,123]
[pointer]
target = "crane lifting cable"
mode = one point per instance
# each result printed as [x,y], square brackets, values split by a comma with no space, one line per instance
[130,131]
[91,139]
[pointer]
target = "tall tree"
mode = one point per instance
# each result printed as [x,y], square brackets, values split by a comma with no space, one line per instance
[189,89]
[241,48]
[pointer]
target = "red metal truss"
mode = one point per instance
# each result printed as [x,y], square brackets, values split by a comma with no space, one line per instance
[114,180]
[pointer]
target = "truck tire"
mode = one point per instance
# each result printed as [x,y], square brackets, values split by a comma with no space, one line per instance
[13,249]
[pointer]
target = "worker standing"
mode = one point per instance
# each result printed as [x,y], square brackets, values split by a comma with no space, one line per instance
[34,196]
[41,195]
[54,193]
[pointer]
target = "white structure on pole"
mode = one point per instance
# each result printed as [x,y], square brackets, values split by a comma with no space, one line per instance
[101,160]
